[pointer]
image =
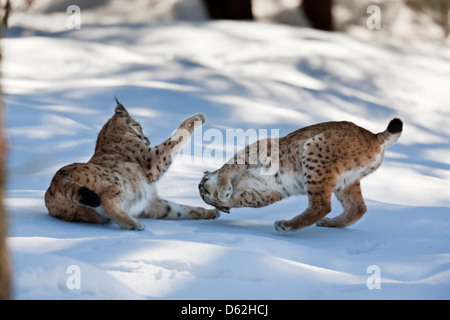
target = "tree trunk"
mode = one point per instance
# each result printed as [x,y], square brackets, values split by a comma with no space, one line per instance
[5,271]
[4,260]
[445,6]
[319,13]
[229,9]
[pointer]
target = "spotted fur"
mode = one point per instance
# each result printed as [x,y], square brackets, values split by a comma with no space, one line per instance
[318,161]
[119,181]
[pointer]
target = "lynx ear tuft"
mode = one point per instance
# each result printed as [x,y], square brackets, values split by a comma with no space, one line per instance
[120,109]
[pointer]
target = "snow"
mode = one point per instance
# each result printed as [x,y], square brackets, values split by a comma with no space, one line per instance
[59,88]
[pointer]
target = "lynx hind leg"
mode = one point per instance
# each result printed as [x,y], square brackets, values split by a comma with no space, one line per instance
[163,209]
[111,206]
[69,211]
[354,207]
[84,214]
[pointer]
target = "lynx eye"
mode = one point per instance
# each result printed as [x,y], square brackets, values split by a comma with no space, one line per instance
[136,126]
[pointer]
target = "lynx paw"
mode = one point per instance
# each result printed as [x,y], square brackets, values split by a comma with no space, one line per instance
[200,117]
[224,193]
[212,214]
[281,227]
[136,226]
[202,213]
[325,222]
[140,227]
[194,122]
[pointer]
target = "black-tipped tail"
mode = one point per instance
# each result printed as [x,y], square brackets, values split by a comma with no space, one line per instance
[89,198]
[395,126]
[392,133]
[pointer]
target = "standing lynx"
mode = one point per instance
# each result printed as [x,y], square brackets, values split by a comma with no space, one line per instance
[118,182]
[318,160]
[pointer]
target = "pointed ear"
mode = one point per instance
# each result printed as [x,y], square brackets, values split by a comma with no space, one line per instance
[120,109]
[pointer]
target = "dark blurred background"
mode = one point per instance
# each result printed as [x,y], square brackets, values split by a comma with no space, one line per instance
[404,19]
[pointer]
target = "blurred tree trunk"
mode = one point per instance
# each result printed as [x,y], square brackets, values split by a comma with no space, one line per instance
[319,13]
[4,260]
[229,9]
[5,272]
[445,7]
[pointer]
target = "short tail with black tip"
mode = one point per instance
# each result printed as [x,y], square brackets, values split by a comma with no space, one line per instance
[392,133]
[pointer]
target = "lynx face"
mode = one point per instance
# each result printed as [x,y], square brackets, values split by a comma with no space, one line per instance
[121,124]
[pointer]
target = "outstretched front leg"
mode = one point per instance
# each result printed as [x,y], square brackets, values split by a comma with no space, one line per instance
[160,157]
[112,205]
[163,209]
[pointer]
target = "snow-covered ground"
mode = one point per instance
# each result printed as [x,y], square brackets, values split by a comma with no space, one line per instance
[59,90]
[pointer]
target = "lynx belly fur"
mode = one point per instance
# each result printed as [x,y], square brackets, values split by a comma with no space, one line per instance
[118,182]
[318,161]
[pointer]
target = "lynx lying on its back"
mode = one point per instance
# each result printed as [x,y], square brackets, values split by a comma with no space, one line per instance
[118,182]
[317,160]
